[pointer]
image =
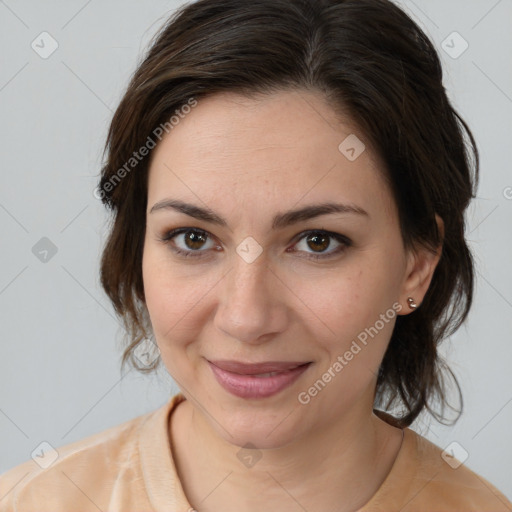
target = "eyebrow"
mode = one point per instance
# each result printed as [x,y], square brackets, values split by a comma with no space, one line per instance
[279,221]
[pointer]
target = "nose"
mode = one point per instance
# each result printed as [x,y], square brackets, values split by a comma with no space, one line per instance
[252,302]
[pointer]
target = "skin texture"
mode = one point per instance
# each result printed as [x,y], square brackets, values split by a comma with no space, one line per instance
[247,160]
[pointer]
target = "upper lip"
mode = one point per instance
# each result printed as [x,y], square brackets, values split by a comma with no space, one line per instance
[256,368]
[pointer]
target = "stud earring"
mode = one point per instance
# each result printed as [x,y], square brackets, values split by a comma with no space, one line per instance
[411,303]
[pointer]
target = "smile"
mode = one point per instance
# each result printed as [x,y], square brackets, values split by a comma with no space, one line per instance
[256,381]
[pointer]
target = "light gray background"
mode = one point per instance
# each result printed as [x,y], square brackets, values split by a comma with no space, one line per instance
[59,365]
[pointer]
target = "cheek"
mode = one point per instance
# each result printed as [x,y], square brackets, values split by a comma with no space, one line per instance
[350,312]
[175,300]
[334,303]
[169,310]
[166,296]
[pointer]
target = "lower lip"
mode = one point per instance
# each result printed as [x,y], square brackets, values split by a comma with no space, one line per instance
[248,386]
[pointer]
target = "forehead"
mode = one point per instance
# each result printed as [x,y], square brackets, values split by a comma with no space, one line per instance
[282,147]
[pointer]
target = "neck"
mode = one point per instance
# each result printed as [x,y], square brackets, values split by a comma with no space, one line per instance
[323,470]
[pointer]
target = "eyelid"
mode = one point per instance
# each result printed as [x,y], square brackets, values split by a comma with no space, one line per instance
[337,236]
[343,241]
[173,233]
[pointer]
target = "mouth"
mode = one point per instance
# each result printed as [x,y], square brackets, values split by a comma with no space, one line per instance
[257,380]
[269,367]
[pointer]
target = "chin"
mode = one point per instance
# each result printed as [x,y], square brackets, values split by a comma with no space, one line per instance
[265,430]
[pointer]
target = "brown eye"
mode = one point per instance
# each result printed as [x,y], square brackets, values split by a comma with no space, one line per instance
[194,239]
[190,242]
[314,244]
[318,242]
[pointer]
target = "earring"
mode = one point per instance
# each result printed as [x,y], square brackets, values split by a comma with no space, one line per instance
[411,303]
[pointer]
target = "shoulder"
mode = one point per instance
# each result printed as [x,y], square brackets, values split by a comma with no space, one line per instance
[426,478]
[442,482]
[82,474]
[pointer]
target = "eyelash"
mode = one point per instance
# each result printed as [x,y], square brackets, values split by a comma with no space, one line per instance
[343,240]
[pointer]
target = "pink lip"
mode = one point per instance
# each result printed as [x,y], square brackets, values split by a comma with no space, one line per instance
[240,378]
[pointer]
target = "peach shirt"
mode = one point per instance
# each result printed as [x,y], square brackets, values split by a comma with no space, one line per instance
[130,467]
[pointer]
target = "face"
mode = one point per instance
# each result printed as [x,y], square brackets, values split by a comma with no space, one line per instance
[235,277]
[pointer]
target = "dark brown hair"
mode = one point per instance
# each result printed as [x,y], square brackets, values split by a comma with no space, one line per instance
[372,63]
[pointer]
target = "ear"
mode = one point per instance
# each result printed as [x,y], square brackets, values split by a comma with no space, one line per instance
[421,264]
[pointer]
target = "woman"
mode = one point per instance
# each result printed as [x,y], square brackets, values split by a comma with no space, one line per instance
[288,181]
